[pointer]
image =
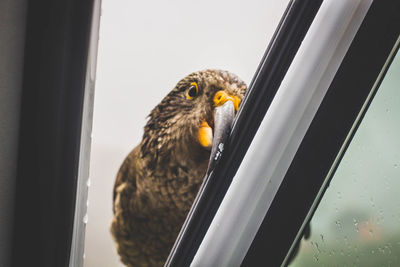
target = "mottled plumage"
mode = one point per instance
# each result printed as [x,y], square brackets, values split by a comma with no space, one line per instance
[159,179]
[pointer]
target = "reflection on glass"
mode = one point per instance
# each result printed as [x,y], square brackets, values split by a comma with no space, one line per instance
[357,222]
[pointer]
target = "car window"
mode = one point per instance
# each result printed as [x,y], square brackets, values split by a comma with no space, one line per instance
[357,221]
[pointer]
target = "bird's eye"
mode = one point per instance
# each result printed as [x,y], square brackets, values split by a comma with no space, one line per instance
[192,91]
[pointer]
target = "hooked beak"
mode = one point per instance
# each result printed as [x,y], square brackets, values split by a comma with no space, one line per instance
[223,118]
[224,113]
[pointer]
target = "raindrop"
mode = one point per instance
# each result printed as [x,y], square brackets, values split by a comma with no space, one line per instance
[85,218]
[356,225]
[388,249]
[339,195]
[317,247]
[387,183]
[88,182]
[322,238]
[371,233]
[396,165]
[372,202]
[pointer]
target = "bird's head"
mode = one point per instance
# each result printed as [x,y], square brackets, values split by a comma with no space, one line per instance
[185,121]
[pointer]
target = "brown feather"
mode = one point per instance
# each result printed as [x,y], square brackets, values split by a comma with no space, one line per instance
[158,180]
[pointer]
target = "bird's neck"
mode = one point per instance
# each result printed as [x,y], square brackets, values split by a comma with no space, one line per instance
[173,174]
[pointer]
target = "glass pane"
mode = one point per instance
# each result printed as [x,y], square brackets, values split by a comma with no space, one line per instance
[357,221]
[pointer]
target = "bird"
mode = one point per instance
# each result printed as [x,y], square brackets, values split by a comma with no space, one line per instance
[159,179]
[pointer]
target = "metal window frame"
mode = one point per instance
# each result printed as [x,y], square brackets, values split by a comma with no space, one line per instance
[307,177]
[274,146]
[50,138]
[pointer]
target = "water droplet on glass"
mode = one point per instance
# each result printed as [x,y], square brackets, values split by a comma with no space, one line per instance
[85,218]
[387,183]
[356,224]
[317,247]
[372,202]
[322,238]
[371,233]
[88,182]
[387,247]
[396,165]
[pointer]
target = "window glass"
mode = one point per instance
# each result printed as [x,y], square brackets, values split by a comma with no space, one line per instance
[357,222]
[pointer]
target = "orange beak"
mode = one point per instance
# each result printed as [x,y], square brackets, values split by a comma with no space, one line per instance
[205,132]
[221,97]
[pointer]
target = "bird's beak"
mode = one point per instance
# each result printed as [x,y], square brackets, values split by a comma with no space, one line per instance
[221,97]
[224,113]
[205,132]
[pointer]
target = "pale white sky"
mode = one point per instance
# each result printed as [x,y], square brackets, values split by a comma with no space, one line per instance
[145,48]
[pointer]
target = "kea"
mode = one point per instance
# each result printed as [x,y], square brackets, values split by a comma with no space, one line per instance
[158,181]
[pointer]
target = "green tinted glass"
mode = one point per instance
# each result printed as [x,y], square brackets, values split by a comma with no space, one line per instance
[357,222]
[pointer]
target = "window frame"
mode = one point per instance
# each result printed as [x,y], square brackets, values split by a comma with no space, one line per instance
[307,177]
[54,134]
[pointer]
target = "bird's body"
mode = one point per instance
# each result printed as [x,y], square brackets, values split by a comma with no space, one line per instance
[157,182]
